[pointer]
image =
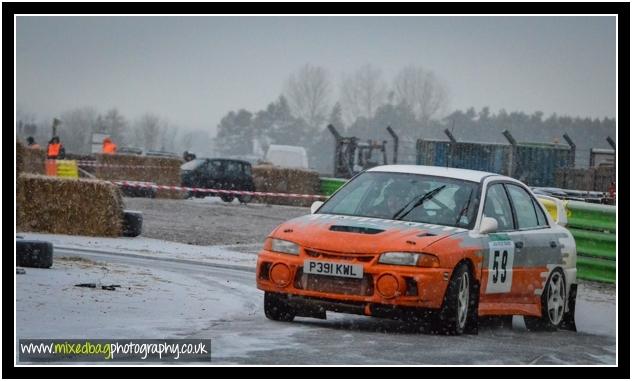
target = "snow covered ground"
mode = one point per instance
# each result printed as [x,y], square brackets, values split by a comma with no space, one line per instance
[152,248]
[149,304]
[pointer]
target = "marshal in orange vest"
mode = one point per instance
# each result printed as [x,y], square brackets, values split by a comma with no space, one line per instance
[109,146]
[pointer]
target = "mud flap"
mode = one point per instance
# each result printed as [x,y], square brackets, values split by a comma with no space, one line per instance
[314,312]
[568,321]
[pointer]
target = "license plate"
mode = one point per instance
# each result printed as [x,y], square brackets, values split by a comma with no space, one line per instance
[346,270]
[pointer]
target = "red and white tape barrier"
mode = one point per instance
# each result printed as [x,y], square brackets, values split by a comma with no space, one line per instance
[87,163]
[208,190]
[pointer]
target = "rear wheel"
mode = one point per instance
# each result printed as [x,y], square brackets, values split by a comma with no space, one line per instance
[227,197]
[553,302]
[458,313]
[276,307]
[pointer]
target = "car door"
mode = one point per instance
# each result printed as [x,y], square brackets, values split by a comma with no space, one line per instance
[231,173]
[502,250]
[214,174]
[540,244]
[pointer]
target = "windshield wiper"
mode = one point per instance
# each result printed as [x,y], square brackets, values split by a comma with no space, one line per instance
[416,202]
[467,206]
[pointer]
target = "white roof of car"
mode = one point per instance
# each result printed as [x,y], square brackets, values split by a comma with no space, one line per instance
[455,173]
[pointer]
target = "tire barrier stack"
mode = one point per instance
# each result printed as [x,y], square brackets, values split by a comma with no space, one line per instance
[68,206]
[132,223]
[593,227]
[29,253]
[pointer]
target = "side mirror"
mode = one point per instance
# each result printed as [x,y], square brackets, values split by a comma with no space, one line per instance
[488,225]
[315,206]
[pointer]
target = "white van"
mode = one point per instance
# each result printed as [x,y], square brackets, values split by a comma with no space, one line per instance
[287,156]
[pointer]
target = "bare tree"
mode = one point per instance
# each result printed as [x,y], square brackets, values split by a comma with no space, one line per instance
[362,93]
[76,129]
[426,94]
[168,136]
[115,124]
[186,141]
[147,131]
[308,93]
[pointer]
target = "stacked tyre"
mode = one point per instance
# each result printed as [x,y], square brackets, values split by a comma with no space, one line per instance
[30,253]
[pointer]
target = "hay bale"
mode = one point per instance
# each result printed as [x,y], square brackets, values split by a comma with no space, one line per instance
[68,206]
[173,194]
[270,178]
[159,170]
[19,157]
[80,156]
[30,160]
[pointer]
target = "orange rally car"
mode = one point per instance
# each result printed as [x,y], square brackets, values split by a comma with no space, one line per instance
[441,245]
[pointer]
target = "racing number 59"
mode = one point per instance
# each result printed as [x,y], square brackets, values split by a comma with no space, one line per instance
[500,266]
[503,266]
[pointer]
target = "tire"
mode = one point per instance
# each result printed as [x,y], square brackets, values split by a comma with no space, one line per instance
[227,197]
[34,254]
[245,198]
[553,301]
[276,307]
[132,223]
[459,312]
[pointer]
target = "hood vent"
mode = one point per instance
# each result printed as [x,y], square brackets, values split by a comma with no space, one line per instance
[426,234]
[354,229]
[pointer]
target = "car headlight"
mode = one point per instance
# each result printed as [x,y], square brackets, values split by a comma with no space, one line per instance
[283,246]
[409,259]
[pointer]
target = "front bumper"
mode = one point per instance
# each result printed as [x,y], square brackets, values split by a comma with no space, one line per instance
[408,286]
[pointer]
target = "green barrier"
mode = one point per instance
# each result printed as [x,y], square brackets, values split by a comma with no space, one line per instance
[594,228]
[595,244]
[587,216]
[601,270]
[329,185]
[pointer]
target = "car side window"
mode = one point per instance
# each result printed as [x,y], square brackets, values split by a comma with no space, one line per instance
[523,205]
[214,168]
[247,170]
[497,206]
[542,222]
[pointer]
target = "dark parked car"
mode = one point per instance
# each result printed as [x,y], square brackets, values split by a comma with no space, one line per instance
[218,174]
[162,154]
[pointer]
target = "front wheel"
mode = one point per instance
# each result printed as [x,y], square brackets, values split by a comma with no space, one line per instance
[276,307]
[553,303]
[244,198]
[459,310]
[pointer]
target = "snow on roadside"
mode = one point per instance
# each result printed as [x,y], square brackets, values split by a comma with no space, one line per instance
[150,247]
[212,200]
[149,304]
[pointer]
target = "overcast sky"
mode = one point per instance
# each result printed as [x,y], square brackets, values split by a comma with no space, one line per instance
[193,70]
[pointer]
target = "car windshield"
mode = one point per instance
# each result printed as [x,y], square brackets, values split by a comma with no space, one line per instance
[191,165]
[407,197]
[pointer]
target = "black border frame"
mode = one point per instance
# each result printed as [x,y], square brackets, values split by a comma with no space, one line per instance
[623,11]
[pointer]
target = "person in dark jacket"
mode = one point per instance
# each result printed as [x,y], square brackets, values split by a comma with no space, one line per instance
[31,143]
